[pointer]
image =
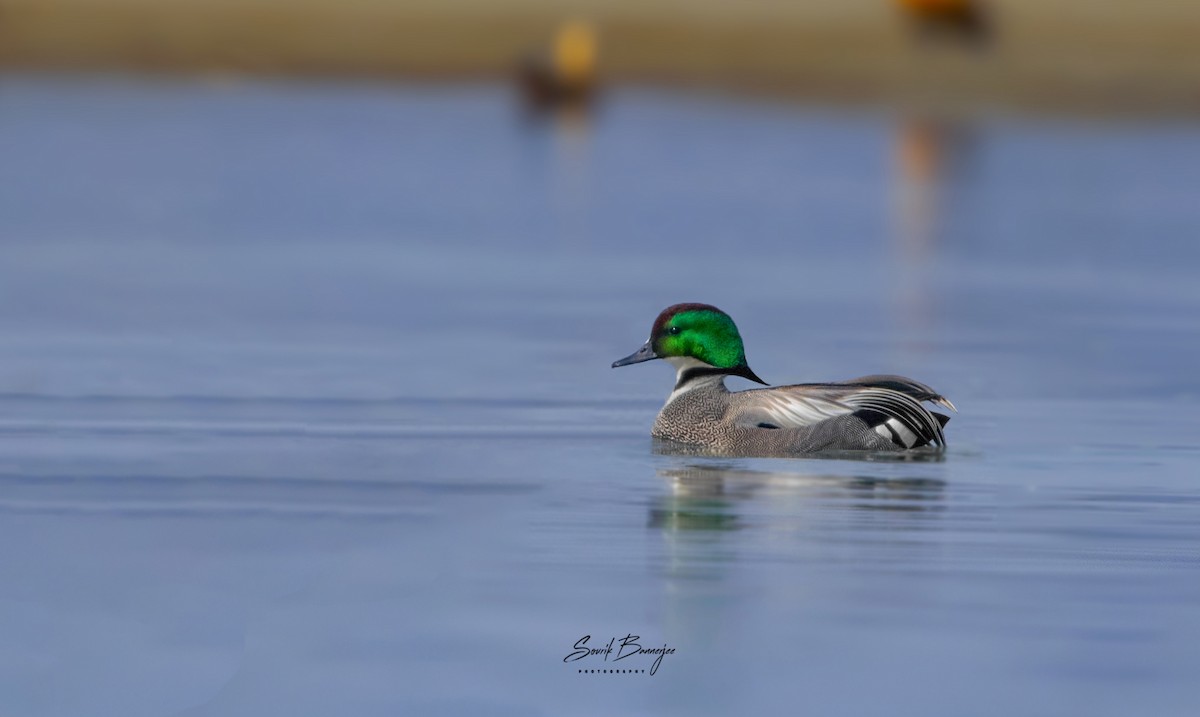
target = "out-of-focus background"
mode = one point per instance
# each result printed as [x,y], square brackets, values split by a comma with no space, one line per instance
[1115,55]
[307,311]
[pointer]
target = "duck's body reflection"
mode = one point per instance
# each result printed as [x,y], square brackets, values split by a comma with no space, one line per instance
[737,541]
[708,497]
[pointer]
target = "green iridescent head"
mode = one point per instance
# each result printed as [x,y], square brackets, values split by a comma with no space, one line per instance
[697,331]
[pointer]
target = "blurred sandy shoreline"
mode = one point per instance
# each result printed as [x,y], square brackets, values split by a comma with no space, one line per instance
[1069,54]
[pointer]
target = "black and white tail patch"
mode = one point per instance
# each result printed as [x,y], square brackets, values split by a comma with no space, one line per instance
[889,427]
[902,429]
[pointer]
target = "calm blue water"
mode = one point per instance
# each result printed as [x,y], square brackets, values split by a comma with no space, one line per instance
[305,406]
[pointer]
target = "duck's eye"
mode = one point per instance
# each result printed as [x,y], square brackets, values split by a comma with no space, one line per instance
[673,330]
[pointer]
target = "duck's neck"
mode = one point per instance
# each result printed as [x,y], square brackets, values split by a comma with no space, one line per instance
[692,372]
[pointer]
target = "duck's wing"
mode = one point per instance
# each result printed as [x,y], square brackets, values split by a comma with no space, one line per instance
[892,413]
[904,385]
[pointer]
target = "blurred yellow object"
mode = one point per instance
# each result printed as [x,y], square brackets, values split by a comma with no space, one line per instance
[566,73]
[575,53]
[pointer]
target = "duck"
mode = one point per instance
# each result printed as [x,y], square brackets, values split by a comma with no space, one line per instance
[880,413]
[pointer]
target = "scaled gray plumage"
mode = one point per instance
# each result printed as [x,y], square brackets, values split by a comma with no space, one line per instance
[873,413]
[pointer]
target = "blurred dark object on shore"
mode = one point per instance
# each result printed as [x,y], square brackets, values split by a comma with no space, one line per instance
[563,75]
[965,21]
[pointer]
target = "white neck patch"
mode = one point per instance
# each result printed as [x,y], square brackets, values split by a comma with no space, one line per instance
[684,363]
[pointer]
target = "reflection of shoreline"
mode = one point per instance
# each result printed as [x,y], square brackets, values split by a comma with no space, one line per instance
[931,158]
[932,170]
